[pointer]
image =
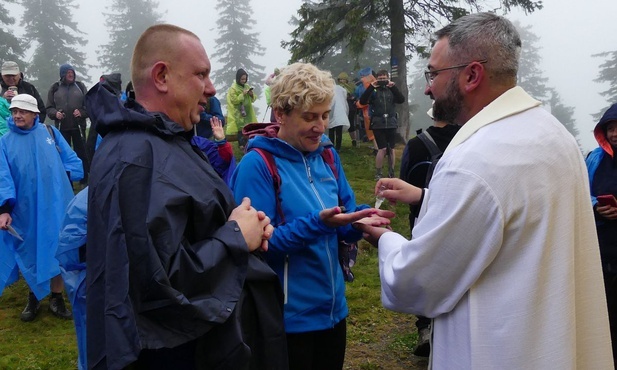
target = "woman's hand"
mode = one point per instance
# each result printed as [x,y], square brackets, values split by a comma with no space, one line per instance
[334,217]
[609,212]
[217,128]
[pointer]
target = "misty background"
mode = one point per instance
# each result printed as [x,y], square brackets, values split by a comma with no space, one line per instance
[569,32]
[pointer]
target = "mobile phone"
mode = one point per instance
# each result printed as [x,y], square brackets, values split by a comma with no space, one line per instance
[607,200]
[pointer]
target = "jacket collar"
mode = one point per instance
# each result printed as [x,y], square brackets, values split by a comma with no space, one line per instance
[511,102]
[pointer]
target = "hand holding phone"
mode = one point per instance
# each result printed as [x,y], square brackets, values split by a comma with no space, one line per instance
[607,200]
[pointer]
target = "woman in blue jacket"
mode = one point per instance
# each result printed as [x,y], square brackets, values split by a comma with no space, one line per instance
[304,246]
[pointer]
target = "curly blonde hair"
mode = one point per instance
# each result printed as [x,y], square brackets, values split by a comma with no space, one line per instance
[301,85]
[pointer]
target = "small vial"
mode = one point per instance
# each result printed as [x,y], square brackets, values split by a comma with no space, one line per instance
[379,198]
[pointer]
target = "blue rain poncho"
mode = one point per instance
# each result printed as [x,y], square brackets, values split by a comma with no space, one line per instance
[73,269]
[34,182]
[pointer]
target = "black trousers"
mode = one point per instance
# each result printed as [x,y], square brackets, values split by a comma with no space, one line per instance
[78,142]
[336,136]
[318,350]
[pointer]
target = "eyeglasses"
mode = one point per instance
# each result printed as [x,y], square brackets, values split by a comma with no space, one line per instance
[430,75]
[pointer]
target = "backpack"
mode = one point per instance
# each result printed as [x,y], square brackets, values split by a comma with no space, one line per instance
[347,252]
[435,154]
[53,136]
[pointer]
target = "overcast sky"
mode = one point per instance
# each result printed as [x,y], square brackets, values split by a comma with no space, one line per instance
[569,30]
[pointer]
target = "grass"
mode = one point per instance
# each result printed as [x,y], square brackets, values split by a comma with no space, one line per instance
[377,339]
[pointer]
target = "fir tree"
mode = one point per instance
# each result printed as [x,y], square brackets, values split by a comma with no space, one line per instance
[607,74]
[55,37]
[563,113]
[236,47]
[325,24]
[530,76]
[126,21]
[12,48]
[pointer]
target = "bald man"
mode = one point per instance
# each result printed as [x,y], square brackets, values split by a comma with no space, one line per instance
[170,270]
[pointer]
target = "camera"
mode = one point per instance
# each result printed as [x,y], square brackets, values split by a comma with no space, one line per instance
[382,82]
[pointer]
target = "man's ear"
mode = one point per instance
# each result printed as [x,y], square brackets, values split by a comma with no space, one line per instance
[160,74]
[474,75]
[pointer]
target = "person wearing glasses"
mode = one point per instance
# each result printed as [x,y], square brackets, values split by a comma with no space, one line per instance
[504,255]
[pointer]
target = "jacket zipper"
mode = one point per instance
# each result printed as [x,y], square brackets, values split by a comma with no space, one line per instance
[285,279]
[323,206]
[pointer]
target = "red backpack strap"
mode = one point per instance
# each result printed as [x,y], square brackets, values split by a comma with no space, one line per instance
[328,157]
[276,179]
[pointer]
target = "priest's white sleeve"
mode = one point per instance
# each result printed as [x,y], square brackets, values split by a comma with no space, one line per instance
[458,234]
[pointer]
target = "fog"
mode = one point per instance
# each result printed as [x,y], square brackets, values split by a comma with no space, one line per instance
[570,32]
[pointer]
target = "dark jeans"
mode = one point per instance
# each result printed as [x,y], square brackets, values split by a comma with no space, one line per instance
[610,286]
[75,138]
[318,350]
[336,136]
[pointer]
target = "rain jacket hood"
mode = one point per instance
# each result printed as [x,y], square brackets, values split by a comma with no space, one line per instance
[600,131]
[109,113]
[241,72]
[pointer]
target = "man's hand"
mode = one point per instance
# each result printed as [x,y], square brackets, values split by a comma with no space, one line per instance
[9,94]
[59,115]
[5,221]
[371,233]
[217,128]
[76,113]
[609,212]
[255,226]
[397,190]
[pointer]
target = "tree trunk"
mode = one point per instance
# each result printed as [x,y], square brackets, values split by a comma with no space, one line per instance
[398,62]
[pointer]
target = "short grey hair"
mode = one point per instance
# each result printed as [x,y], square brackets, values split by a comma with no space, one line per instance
[485,36]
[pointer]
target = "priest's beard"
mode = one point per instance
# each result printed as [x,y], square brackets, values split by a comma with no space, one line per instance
[449,108]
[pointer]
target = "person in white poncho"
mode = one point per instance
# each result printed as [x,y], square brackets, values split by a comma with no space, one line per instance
[504,256]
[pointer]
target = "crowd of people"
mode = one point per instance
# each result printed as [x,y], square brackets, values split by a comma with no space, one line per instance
[173,257]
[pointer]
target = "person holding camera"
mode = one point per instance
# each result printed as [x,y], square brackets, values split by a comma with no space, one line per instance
[12,84]
[381,96]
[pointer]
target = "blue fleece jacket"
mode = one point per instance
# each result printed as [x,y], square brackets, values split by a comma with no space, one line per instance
[303,251]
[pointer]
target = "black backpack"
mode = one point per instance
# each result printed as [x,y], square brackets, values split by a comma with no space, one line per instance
[435,154]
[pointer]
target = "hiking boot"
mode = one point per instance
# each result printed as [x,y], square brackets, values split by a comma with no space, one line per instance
[32,308]
[423,349]
[57,307]
[354,143]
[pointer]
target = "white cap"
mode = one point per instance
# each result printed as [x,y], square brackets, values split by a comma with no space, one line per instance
[9,68]
[25,102]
